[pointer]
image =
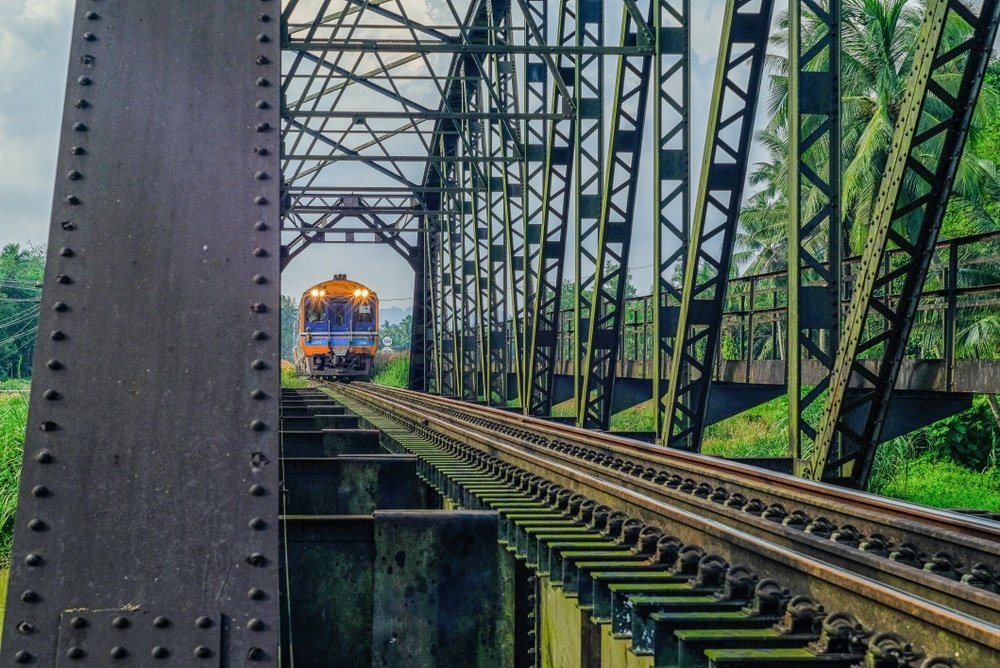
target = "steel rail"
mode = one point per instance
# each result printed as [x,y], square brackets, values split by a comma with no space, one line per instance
[875,600]
[910,547]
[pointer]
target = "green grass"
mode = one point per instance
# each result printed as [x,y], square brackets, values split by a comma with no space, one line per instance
[13,418]
[945,484]
[392,370]
[289,377]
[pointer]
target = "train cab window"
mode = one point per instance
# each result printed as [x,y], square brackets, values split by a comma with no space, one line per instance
[363,313]
[338,316]
[314,310]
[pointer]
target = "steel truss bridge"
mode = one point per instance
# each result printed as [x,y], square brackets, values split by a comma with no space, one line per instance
[501,147]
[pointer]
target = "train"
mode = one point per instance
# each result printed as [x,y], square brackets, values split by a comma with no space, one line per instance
[337,333]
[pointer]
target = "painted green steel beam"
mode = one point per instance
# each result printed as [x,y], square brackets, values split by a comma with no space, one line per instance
[742,54]
[953,50]
[614,227]
[815,227]
[550,262]
[671,179]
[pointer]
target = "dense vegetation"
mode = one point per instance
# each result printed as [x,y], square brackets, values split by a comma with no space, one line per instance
[392,370]
[21,272]
[13,417]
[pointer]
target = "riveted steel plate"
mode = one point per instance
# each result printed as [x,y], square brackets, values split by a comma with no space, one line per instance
[150,471]
[139,638]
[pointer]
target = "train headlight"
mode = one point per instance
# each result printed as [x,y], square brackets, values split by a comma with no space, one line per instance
[322,293]
[314,292]
[364,293]
[357,293]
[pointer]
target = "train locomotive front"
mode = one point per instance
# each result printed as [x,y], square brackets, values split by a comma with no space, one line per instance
[337,330]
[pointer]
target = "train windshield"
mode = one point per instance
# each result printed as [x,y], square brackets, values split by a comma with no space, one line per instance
[364,315]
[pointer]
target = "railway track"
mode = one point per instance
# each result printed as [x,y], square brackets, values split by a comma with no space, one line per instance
[865,566]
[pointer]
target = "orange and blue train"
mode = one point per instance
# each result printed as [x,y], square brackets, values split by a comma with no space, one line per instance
[337,330]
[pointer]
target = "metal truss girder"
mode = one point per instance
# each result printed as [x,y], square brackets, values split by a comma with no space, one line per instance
[614,228]
[588,184]
[144,493]
[910,208]
[552,235]
[421,345]
[743,50]
[470,213]
[815,228]
[671,179]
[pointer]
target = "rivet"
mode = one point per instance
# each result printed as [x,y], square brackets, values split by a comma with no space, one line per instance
[25,628]
[40,491]
[203,622]
[262,82]
[262,38]
[258,425]
[260,199]
[78,623]
[89,36]
[23,657]
[75,653]
[261,176]
[257,523]
[60,307]
[63,279]
[161,622]
[260,226]
[259,335]
[257,559]
[72,200]
[260,279]
[29,596]
[260,365]
[261,150]
[44,456]
[257,307]
[78,150]
[36,524]
[255,624]
[263,127]
[55,365]
[82,104]
[118,652]
[159,652]
[255,654]
[57,335]
[259,252]
[47,425]
[80,127]
[33,559]
[202,652]
[263,104]
[257,490]
[255,594]
[262,60]
[84,81]
[66,252]
[258,394]
[74,175]
[92,16]
[120,622]
[87,59]
[264,18]
[51,395]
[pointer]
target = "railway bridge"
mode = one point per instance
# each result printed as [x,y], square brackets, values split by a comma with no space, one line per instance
[178,508]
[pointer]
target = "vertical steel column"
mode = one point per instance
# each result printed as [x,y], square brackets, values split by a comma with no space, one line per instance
[933,125]
[470,212]
[588,161]
[450,237]
[743,50]
[433,266]
[815,228]
[522,242]
[421,347]
[555,222]
[614,228]
[671,180]
[150,481]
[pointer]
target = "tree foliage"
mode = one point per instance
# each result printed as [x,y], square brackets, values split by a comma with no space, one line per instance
[21,271]
[401,333]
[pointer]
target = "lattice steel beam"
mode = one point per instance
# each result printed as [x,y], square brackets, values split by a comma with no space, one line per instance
[614,228]
[933,124]
[720,194]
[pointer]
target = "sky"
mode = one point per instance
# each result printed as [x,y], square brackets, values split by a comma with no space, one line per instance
[34,47]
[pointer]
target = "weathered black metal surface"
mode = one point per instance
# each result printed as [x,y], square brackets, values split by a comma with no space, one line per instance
[351,484]
[161,300]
